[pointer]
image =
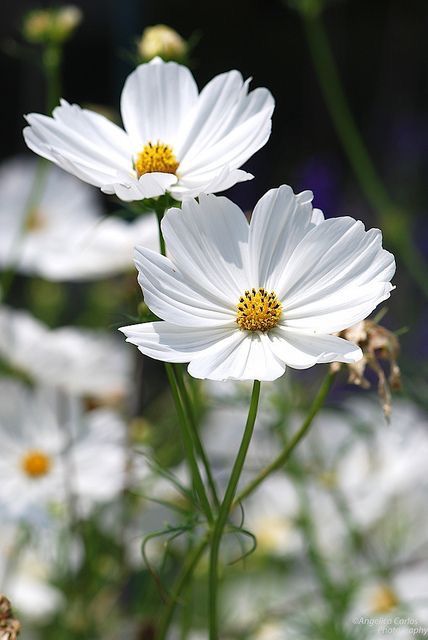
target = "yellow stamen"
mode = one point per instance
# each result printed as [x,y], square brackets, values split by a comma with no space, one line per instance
[156,157]
[384,600]
[36,464]
[258,310]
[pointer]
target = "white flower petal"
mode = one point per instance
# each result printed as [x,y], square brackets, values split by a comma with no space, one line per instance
[208,243]
[227,125]
[170,297]
[190,187]
[149,185]
[338,310]
[173,343]
[244,356]
[80,141]
[279,222]
[300,351]
[317,216]
[155,101]
[334,266]
[212,112]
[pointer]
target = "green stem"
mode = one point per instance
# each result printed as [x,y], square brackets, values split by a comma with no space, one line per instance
[195,435]
[225,510]
[395,220]
[180,584]
[289,448]
[188,444]
[52,59]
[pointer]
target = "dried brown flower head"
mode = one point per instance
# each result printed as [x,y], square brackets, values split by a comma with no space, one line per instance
[9,626]
[379,346]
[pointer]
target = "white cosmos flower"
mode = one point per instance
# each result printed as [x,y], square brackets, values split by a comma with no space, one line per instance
[51,448]
[66,237]
[77,361]
[26,570]
[242,300]
[175,139]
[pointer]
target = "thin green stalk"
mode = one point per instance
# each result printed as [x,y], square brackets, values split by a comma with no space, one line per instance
[180,584]
[195,435]
[225,510]
[395,221]
[188,444]
[289,448]
[52,59]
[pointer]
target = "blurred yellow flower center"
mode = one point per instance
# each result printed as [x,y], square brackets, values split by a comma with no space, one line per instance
[36,464]
[328,479]
[384,600]
[258,310]
[156,157]
[273,534]
[34,221]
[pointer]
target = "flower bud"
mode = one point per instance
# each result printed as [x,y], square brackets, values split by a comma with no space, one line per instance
[51,26]
[161,41]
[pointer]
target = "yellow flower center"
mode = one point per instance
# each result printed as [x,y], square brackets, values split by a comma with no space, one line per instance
[258,310]
[36,464]
[34,221]
[384,600]
[156,157]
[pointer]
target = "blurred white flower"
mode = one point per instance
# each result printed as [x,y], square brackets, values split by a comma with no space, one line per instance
[30,559]
[223,425]
[242,301]
[66,236]
[51,450]
[77,361]
[371,462]
[271,514]
[175,139]
[251,599]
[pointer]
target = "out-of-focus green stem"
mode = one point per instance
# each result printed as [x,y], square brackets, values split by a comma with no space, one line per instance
[52,60]
[182,580]
[394,219]
[225,508]
[188,443]
[285,454]
[195,435]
